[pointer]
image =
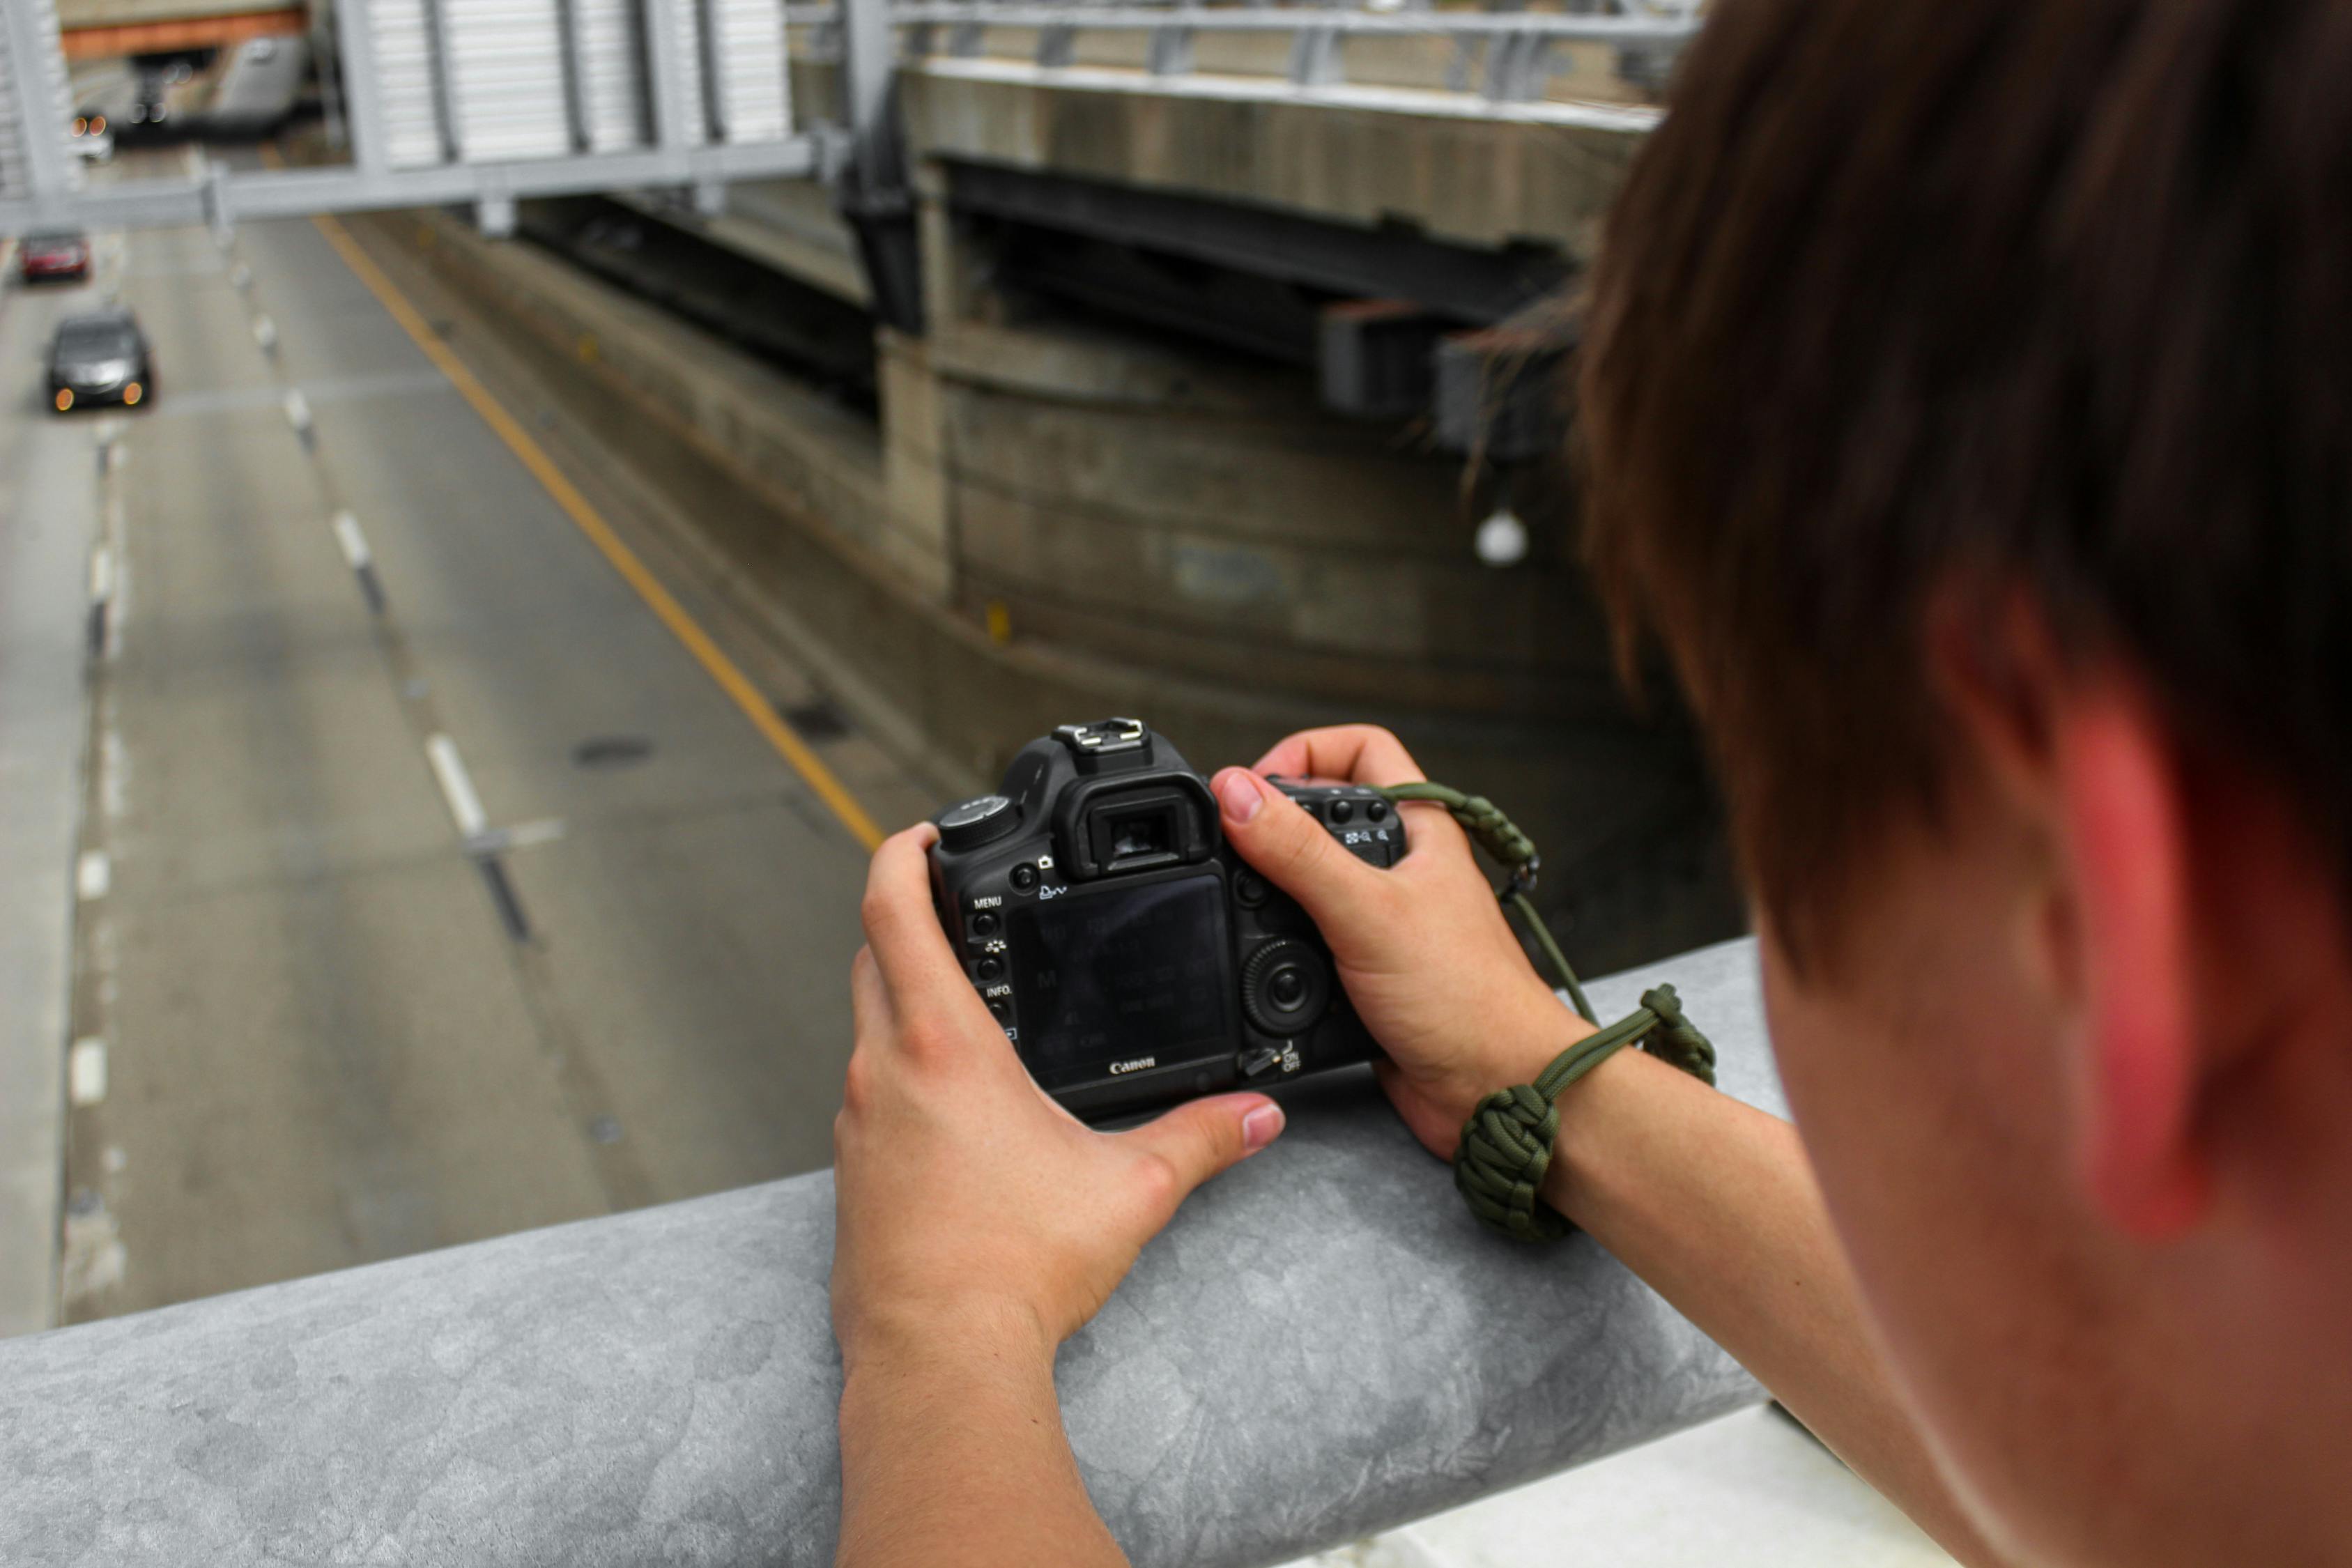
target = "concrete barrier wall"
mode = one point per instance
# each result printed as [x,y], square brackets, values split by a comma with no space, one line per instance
[1323,1344]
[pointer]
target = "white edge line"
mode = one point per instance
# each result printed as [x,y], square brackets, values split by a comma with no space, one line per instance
[457,788]
[354,543]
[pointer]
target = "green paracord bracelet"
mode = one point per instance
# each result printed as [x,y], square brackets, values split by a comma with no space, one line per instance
[1507,1144]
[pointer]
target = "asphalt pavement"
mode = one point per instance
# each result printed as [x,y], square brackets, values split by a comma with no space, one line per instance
[441,888]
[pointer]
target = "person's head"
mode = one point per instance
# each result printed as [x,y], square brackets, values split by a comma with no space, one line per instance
[1967,405]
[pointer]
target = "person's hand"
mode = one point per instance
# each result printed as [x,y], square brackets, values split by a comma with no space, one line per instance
[968,1203]
[1423,947]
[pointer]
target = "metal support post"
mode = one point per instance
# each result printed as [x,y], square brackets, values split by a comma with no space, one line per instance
[445,79]
[871,193]
[1171,51]
[575,76]
[1314,60]
[714,67]
[866,69]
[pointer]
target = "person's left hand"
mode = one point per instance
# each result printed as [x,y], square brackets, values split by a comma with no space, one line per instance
[967,1201]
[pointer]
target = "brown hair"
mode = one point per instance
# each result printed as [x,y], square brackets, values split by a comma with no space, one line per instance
[2050,297]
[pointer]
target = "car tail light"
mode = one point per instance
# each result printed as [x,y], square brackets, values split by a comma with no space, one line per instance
[65,398]
[131,392]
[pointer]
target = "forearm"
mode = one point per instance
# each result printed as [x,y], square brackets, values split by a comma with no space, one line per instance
[1712,1203]
[952,1451]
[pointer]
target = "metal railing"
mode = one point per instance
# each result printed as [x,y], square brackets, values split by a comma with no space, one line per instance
[1324,1344]
[1508,53]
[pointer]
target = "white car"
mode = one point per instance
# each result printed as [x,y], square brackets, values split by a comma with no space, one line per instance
[91,139]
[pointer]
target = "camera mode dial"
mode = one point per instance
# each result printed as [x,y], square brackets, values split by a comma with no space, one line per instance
[1286,986]
[976,822]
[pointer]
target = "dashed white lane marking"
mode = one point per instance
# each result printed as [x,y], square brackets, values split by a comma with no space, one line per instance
[86,1071]
[101,574]
[521,836]
[265,332]
[354,543]
[298,412]
[457,788]
[93,875]
[113,771]
[545,830]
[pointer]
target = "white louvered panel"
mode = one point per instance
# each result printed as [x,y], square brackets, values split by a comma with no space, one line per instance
[754,88]
[507,96]
[403,69]
[15,123]
[612,74]
[12,147]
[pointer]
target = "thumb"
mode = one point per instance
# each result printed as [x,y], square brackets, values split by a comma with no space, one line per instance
[1198,1140]
[1288,847]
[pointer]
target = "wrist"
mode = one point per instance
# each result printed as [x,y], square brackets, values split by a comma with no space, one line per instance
[911,1335]
[1598,1113]
[1541,1027]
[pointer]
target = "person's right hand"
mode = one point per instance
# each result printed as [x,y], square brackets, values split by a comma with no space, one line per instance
[1423,948]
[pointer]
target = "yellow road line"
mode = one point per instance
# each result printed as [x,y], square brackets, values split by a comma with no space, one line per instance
[634,571]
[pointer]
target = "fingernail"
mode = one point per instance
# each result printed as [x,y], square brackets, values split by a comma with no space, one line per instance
[1237,795]
[1259,1127]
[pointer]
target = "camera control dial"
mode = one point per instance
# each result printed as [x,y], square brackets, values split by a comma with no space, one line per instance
[1286,986]
[976,822]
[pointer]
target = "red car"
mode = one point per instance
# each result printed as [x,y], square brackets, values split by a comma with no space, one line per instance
[46,256]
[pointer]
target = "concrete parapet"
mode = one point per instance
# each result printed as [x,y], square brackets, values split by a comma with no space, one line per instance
[1465,172]
[1323,1344]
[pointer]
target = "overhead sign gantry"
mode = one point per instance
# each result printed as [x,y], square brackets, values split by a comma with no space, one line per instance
[456,102]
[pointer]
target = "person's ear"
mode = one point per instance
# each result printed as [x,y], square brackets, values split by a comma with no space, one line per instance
[2077,747]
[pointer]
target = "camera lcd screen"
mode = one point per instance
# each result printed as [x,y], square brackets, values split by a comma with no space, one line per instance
[1119,974]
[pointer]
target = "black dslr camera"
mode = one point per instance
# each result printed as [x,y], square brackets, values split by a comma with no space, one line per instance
[1132,957]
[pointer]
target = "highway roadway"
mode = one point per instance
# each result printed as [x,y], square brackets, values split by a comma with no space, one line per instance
[444,868]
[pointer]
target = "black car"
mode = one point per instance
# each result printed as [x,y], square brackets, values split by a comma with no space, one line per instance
[101,357]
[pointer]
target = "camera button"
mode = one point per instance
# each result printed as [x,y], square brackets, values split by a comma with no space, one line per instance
[1024,877]
[991,968]
[1249,888]
[1000,1008]
[984,922]
[1342,810]
[1376,811]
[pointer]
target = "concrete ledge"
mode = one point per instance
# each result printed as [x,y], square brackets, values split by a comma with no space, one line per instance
[1460,170]
[1322,1345]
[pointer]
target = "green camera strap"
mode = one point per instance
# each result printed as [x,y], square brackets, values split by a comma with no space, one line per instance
[1507,1144]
